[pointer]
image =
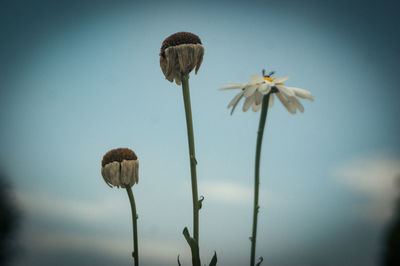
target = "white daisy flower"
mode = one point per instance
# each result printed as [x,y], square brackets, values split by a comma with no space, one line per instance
[254,91]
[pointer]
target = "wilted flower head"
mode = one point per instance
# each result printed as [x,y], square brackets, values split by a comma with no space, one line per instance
[120,168]
[259,86]
[180,53]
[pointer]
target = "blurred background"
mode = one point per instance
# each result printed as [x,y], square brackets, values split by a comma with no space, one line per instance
[79,78]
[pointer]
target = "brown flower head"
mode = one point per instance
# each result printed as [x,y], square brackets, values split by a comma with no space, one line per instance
[120,168]
[180,54]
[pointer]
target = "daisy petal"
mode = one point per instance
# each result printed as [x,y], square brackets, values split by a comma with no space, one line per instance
[293,107]
[264,88]
[256,79]
[297,103]
[235,101]
[104,173]
[255,107]
[127,172]
[249,90]
[281,79]
[286,103]
[302,93]
[233,86]
[249,101]
[271,100]
[258,97]
[285,90]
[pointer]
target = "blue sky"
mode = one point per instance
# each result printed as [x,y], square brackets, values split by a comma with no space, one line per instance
[79,79]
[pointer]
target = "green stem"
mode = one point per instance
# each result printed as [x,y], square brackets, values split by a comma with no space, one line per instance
[193,163]
[263,118]
[135,253]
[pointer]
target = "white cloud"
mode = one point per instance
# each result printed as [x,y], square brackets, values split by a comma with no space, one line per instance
[226,192]
[377,177]
[232,193]
[86,211]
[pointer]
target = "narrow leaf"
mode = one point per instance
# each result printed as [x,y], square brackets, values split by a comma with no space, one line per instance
[193,247]
[179,263]
[260,260]
[201,201]
[214,259]
[188,238]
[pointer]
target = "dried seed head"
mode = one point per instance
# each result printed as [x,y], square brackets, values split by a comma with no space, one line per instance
[180,53]
[120,168]
[118,155]
[179,38]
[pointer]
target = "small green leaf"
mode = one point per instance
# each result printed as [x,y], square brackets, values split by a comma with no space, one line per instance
[193,247]
[188,238]
[260,260]
[201,201]
[194,159]
[214,259]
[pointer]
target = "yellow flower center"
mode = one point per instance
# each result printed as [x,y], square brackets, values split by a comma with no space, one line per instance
[272,80]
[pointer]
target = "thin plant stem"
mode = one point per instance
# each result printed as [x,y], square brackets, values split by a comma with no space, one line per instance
[135,253]
[193,163]
[263,118]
